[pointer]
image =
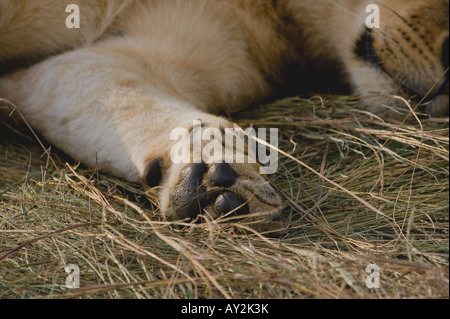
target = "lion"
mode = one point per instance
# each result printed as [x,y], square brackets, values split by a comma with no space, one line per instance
[110,91]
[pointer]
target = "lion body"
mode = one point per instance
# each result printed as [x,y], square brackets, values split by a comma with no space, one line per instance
[110,92]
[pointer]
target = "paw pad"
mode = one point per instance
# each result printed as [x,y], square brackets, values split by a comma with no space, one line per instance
[202,186]
[222,175]
[228,202]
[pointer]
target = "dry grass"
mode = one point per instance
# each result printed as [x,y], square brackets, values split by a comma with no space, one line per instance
[359,190]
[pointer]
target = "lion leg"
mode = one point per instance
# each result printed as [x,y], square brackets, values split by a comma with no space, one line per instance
[89,104]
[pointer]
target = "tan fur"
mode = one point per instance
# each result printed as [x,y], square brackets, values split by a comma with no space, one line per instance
[110,92]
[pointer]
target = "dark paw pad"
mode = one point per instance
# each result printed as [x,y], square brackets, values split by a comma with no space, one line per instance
[153,172]
[221,174]
[230,202]
[201,187]
[190,196]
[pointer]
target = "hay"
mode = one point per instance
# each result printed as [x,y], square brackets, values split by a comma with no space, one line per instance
[376,193]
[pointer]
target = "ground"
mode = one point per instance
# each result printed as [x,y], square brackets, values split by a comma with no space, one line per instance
[358,190]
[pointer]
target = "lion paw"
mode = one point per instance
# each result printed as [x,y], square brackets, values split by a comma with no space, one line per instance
[220,189]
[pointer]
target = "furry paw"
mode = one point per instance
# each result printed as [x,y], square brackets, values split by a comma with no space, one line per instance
[219,189]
